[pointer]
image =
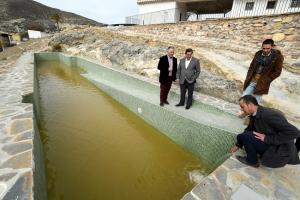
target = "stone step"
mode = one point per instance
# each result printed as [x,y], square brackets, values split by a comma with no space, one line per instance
[234,180]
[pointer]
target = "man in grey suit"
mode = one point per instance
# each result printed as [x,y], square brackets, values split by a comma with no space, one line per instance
[187,73]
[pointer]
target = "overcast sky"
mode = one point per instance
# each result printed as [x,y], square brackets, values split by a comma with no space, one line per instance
[105,11]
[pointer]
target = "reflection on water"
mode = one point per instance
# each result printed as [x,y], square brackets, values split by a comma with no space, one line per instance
[96,149]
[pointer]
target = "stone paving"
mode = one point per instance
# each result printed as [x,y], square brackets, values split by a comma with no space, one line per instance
[234,180]
[16,131]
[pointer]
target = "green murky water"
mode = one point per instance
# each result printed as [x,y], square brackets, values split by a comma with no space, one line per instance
[95,149]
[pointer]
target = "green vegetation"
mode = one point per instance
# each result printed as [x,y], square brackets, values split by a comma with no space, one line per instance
[57,19]
[1,47]
[57,48]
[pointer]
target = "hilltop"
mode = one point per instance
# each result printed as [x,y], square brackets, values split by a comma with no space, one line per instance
[16,15]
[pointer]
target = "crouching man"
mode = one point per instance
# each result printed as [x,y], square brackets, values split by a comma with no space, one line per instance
[268,135]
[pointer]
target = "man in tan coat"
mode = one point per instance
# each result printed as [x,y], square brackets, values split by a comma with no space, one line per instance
[265,67]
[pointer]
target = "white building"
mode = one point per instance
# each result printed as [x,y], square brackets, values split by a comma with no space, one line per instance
[243,8]
[172,11]
[160,12]
[32,34]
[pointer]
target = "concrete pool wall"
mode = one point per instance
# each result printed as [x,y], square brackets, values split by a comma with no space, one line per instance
[205,138]
[39,173]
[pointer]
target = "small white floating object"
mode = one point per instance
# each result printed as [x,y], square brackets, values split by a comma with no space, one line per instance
[3,188]
[196,176]
[140,110]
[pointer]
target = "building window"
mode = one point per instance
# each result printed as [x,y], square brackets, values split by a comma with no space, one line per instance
[295,4]
[249,6]
[271,4]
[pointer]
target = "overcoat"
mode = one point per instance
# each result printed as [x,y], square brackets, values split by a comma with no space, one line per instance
[163,66]
[268,74]
[280,135]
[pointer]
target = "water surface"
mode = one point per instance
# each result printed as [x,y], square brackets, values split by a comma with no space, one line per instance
[96,149]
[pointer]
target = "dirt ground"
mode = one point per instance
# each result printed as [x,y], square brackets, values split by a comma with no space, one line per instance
[9,56]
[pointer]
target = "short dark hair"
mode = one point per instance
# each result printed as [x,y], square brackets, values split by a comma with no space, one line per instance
[249,99]
[189,50]
[170,47]
[269,41]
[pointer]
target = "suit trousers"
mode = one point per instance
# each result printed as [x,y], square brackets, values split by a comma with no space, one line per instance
[165,89]
[190,88]
[252,146]
[298,144]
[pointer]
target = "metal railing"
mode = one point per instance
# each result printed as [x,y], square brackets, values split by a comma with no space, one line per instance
[239,9]
[158,17]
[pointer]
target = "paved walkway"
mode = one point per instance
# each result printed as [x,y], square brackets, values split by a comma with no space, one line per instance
[234,180]
[16,131]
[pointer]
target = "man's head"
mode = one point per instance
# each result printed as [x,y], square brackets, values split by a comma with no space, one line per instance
[267,46]
[188,53]
[170,52]
[248,104]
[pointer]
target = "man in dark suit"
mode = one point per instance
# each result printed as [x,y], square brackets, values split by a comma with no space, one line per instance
[187,73]
[268,134]
[168,67]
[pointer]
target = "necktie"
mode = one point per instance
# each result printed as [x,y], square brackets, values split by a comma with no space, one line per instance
[252,121]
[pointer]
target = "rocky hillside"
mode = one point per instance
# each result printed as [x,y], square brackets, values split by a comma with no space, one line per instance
[16,15]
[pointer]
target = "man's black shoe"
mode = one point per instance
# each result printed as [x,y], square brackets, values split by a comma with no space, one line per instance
[161,104]
[243,160]
[187,107]
[166,102]
[179,104]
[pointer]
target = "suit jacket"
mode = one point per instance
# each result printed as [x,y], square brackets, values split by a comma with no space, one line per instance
[268,74]
[280,135]
[191,73]
[163,66]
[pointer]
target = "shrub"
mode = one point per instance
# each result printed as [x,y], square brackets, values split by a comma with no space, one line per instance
[57,48]
[36,27]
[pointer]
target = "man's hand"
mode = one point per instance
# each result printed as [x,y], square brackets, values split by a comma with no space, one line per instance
[234,149]
[259,136]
